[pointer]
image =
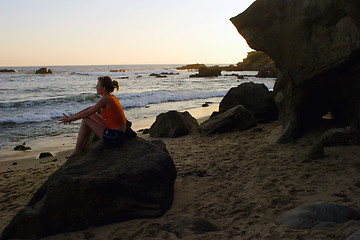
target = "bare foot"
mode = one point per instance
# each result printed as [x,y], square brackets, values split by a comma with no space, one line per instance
[74,153]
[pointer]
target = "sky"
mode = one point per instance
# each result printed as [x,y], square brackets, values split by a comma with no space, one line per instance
[104,32]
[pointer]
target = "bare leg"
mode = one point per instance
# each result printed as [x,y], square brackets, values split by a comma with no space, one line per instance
[85,143]
[87,125]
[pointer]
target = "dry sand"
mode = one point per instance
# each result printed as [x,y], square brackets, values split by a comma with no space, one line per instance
[240,182]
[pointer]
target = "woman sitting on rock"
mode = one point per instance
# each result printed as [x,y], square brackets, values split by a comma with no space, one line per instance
[110,126]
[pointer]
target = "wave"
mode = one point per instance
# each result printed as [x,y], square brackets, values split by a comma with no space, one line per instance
[84,97]
[154,97]
[50,109]
[126,73]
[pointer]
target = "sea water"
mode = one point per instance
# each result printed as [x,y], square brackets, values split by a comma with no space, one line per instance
[31,104]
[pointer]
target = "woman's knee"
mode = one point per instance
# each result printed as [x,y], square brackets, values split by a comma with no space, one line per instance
[86,121]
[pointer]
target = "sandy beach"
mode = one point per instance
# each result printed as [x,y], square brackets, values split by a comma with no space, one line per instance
[239,182]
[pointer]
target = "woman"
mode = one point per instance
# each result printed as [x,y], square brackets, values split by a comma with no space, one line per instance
[110,126]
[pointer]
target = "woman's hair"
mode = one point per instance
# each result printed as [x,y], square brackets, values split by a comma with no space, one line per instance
[108,83]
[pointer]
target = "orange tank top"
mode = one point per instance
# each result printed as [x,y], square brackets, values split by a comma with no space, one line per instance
[114,115]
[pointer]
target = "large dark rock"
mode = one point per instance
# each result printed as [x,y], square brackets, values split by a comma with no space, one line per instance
[267,72]
[43,71]
[173,124]
[316,47]
[255,97]
[101,186]
[340,137]
[317,215]
[7,70]
[235,119]
[208,72]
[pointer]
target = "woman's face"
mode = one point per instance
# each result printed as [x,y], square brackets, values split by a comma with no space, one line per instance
[99,89]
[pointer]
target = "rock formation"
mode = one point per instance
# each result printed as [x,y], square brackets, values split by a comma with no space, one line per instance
[173,124]
[316,47]
[254,61]
[7,70]
[318,214]
[43,71]
[235,119]
[255,97]
[214,71]
[191,66]
[101,186]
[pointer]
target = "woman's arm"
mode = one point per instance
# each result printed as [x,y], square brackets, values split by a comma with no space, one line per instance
[87,112]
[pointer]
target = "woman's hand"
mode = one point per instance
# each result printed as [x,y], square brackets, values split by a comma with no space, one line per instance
[65,120]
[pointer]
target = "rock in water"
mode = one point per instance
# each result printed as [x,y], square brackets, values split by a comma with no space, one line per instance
[21,148]
[316,47]
[208,72]
[43,71]
[173,124]
[101,186]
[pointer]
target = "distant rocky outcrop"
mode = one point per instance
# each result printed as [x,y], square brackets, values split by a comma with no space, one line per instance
[235,119]
[101,186]
[316,47]
[7,70]
[173,124]
[43,71]
[191,66]
[255,97]
[208,72]
[255,61]
[115,70]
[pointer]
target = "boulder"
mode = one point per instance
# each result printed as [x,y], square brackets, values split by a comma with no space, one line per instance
[173,124]
[316,47]
[340,137]
[183,228]
[316,151]
[101,186]
[235,119]
[208,72]
[267,72]
[255,97]
[354,236]
[318,214]
[45,154]
[7,70]
[22,147]
[43,71]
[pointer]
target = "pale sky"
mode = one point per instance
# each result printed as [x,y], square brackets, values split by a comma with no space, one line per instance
[99,32]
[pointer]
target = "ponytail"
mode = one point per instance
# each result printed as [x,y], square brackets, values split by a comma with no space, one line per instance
[115,84]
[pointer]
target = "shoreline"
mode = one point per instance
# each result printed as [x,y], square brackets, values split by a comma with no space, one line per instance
[66,142]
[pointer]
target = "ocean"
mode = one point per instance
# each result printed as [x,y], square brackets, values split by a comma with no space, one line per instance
[31,104]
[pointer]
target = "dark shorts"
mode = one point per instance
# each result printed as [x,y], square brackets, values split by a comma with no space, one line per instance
[113,138]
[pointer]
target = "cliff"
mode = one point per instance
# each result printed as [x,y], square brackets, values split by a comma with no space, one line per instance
[316,47]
